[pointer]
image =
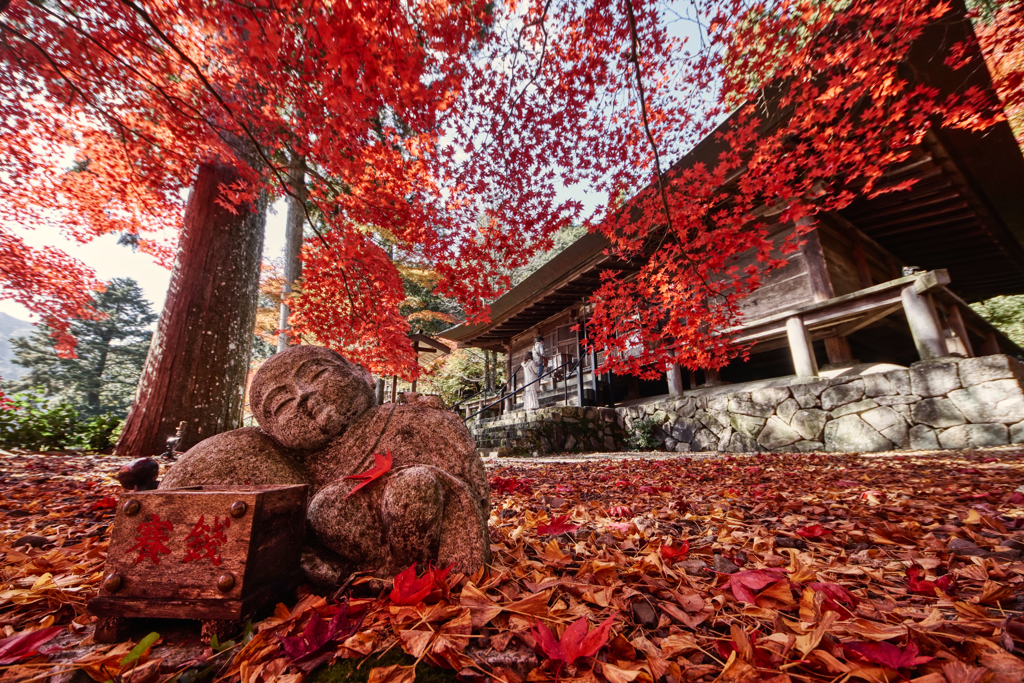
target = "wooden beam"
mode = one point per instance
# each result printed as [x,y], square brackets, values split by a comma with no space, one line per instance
[868,319]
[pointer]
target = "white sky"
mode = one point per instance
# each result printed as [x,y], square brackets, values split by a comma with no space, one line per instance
[110,260]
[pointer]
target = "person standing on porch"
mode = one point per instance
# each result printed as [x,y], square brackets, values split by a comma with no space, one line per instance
[530,373]
[539,354]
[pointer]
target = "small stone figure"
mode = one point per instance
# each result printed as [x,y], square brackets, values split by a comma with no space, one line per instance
[139,475]
[319,423]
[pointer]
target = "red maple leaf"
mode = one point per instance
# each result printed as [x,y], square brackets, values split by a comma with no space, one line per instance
[575,642]
[559,525]
[888,654]
[25,645]
[746,584]
[107,503]
[381,466]
[411,590]
[813,531]
[921,586]
[836,594]
[307,650]
[673,553]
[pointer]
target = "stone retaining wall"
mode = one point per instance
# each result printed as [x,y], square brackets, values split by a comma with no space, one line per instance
[943,403]
[550,430]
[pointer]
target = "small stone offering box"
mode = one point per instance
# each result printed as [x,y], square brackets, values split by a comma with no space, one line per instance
[212,553]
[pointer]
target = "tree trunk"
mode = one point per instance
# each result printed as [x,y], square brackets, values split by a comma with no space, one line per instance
[292,244]
[198,361]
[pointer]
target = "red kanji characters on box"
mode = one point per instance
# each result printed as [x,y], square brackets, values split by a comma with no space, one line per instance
[150,539]
[204,541]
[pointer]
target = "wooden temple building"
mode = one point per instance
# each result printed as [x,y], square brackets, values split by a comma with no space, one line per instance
[884,281]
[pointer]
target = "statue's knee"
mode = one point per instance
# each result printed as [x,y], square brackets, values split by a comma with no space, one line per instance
[413,497]
[349,526]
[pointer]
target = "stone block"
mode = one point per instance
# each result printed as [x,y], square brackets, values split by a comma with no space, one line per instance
[882,418]
[808,446]
[937,412]
[842,394]
[855,408]
[901,400]
[705,440]
[659,416]
[723,440]
[687,408]
[786,409]
[974,436]
[809,423]
[713,421]
[922,438]
[930,378]
[852,434]
[669,444]
[682,448]
[1017,433]
[998,401]
[747,425]
[772,396]
[718,404]
[750,408]
[898,433]
[808,394]
[877,384]
[740,443]
[988,369]
[684,429]
[899,380]
[777,433]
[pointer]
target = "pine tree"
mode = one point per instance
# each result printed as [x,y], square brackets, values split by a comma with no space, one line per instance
[111,352]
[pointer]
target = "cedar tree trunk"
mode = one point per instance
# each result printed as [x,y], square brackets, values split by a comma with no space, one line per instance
[199,359]
[292,244]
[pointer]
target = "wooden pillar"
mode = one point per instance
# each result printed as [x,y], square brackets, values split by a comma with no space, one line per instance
[593,377]
[380,390]
[924,324]
[839,351]
[956,324]
[579,381]
[510,378]
[693,379]
[804,362]
[712,376]
[674,375]
[991,345]
[414,385]
[394,388]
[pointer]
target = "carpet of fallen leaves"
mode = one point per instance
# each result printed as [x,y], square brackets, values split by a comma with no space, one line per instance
[782,568]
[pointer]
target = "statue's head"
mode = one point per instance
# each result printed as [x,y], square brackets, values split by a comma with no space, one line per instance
[305,396]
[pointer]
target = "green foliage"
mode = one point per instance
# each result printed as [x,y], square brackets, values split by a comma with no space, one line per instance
[561,240]
[1006,313]
[460,374]
[641,437]
[358,670]
[37,422]
[111,352]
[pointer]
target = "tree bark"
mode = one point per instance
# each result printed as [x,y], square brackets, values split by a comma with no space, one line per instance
[199,359]
[292,244]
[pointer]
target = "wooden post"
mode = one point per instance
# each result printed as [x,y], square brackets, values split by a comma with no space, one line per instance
[675,379]
[380,390]
[924,324]
[956,324]
[991,345]
[414,385]
[839,351]
[579,382]
[593,376]
[394,388]
[693,379]
[712,376]
[804,362]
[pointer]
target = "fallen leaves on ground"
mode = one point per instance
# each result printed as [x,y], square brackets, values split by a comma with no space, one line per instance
[781,568]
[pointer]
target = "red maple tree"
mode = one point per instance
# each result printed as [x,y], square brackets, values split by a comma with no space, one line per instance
[452,128]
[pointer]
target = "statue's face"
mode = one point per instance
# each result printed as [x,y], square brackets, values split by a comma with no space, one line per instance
[307,395]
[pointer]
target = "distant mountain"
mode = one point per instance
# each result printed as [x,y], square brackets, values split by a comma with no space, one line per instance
[11,327]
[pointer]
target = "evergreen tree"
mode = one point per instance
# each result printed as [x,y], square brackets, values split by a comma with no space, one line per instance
[111,352]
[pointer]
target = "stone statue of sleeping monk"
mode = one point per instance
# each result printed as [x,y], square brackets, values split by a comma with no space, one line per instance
[319,423]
